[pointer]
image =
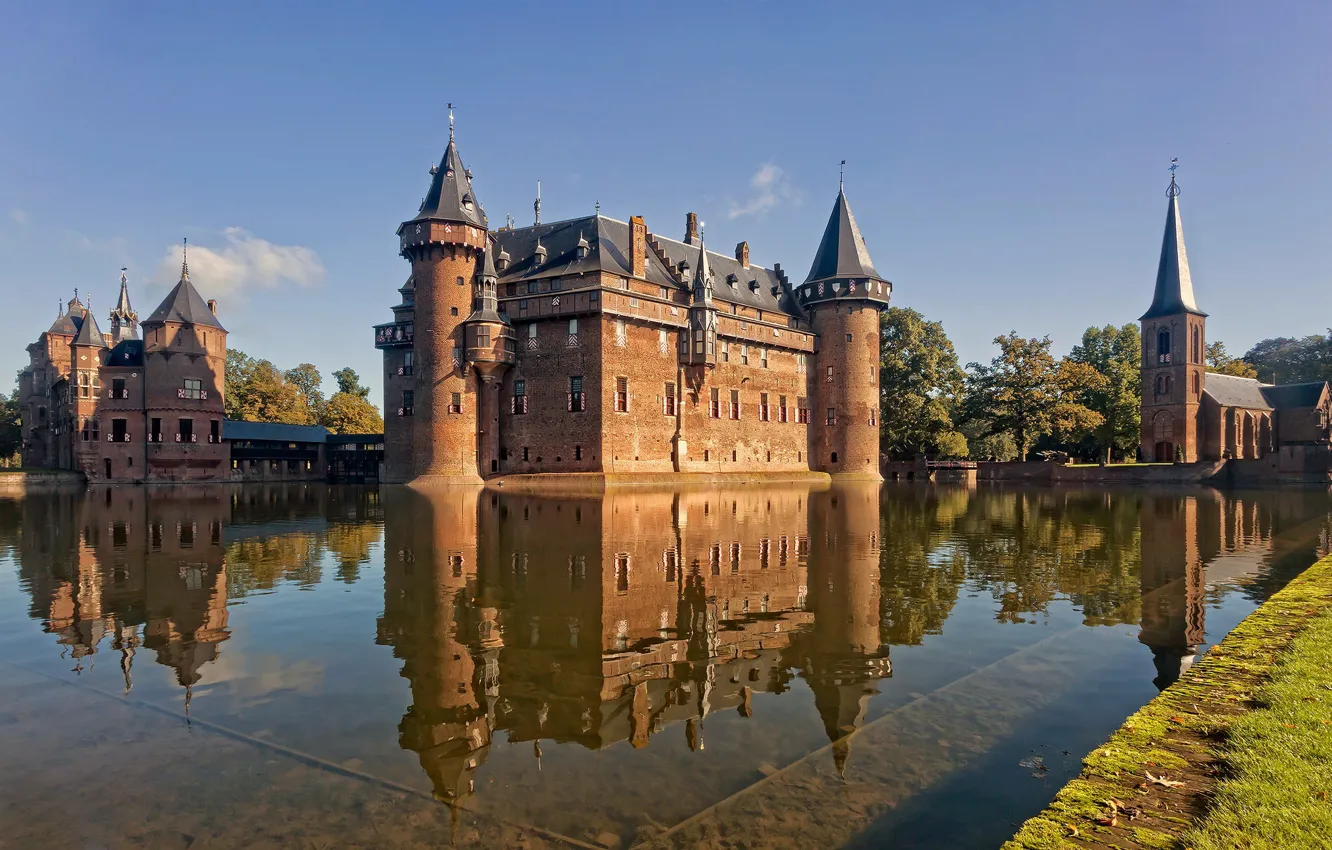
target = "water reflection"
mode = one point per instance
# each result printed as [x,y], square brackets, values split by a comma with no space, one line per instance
[655,621]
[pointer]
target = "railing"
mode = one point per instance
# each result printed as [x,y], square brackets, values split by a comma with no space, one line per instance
[950,464]
[394,334]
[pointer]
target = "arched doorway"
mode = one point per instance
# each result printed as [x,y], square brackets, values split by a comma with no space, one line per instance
[1229,443]
[1264,435]
[1248,440]
[1163,437]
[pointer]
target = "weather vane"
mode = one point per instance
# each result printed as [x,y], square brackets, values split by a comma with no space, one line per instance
[450,122]
[841,175]
[1173,191]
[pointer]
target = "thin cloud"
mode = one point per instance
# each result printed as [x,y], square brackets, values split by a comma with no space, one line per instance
[19,216]
[770,188]
[245,263]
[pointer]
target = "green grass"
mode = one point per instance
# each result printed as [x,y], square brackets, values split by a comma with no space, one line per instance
[1280,756]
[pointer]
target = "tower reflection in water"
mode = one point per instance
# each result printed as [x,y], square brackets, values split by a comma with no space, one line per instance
[616,618]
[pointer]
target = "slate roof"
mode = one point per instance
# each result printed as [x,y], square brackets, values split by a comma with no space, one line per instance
[89,333]
[126,353]
[1230,391]
[67,324]
[608,250]
[239,429]
[730,279]
[842,252]
[184,304]
[1174,284]
[1285,396]
[451,197]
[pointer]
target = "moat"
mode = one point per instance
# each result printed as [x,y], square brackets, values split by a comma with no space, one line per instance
[301,665]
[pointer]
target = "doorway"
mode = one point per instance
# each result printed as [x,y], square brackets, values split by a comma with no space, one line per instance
[106,461]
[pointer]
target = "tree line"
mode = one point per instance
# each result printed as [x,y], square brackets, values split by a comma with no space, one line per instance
[1025,400]
[258,391]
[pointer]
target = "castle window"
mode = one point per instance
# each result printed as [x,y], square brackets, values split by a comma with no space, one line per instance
[624,283]
[621,395]
[118,388]
[714,404]
[407,401]
[735,404]
[735,557]
[1197,384]
[744,355]
[483,337]
[578,452]
[573,328]
[461,282]
[557,285]
[408,362]
[525,455]
[185,431]
[663,343]
[664,293]
[155,431]
[802,411]
[518,404]
[763,357]
[577,399]
[726,352]
[1197,345]
[622,572]
[1163,345]
[455,403]
[781,408]
[800,363]
[215,431]
[633,302]
[92,431]
[84,384]
[830,374]
[522,305]
[848,337]
[193,389]
[453,311]
[763,407]
[832,416]
[621,333]
[1163,385]
[668,400]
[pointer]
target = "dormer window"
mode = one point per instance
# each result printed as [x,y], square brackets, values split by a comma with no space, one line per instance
[731,279]
[539,258]
[753,286]
[502,261]
[581,251]
[467,200]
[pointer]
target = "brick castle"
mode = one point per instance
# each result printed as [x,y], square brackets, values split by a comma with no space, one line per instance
[595,346]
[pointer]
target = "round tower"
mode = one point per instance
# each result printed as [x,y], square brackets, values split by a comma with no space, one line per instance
[844,295]
[443,243]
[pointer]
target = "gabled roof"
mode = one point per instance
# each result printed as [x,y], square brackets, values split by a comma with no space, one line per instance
[89,333]
[239,429]
[609,250]
[451,197]
[1231,391]
[1174,284]
[184,304]
[67,324]
[1286,396]
[842,253]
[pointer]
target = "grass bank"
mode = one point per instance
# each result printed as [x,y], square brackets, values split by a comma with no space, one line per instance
[1237,753]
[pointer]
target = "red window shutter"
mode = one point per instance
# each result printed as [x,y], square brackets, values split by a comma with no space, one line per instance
[524,404]
[571,395]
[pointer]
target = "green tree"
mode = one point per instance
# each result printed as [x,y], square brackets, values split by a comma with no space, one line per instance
[919,385]
[11,429]
[1220,361]
[307,380]
[240,371]
[1026,393]
[1292,361]
[1114,353]
[350,382]
[349,413]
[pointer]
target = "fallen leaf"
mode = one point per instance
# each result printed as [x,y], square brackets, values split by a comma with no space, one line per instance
[1322,795]
[1108,820]
[1163,781]
[1289,725]
[1072,830]
[1177,719]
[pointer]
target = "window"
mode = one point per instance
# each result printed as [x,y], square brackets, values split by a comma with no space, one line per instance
[573,328]
[155,431]
[215,431]
[802,411]
[622,572]
[633,303]
[578,452]
[714,559]
[1197,384]
[726,352]
[763,357]
[663,343]
[668,400]
[119,430]
[455,403]
[185,431]
[744,355]
[763,407]
[621,395]
[518,404]
[483,337]
[118,388]
[735,404]
[193,389]
[1163,346]
[84,384]
[577,400]
[461,282]
[714,404]
[848,337]
[453,311]
[407,400]
[832,416]
[1164,384]
[800,363]
[663,293]
[735,557]
[408,363]
[525,455]
[92,431]
[781,408]
[624,283]
[621,333]
[830,374]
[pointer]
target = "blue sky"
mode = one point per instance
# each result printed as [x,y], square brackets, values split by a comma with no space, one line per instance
[1006,161]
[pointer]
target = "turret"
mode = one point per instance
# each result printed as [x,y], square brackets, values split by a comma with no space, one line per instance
[702,348]
[1174,346]
[443,242]
[491,351]
[843,295]
[124,321]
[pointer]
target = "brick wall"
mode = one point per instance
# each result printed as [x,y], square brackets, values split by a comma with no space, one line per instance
[848,345]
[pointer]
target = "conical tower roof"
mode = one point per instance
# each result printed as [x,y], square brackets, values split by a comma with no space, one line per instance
[89,333]
[123,310]
[1174,284]
[184,304]
[702,273]
[451,197]
[842,253]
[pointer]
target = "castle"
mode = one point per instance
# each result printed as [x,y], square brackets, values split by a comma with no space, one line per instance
[1191,415]
[594,346]
[120,408]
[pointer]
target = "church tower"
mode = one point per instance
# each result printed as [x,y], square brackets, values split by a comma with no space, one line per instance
[1174,344]
[843,295]
[443,243]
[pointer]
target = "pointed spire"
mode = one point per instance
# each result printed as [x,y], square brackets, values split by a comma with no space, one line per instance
[702,273]
[185,259]
[450,122]
[123,318]
[1174,283]
[89,333]
[842,252]
[451,197]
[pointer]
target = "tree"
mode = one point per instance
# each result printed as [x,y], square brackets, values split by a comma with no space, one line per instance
[306,379]
[240,371]
[350,382]
[1025,393]
[1113,353]
[1219,361]
[350,413]
[919,385]
[11,429]
[1292,361]
[257,391]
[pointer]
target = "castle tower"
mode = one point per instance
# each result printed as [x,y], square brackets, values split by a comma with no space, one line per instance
[443,243]
[89,350]
[843,295]
[491,350]
[124,321]
[1174,343]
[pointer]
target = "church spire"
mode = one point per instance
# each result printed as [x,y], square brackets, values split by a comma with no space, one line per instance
[1174,284]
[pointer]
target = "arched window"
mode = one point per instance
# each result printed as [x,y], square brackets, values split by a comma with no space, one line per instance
[1197,345]
[1163,345]
[1163,385]
[1164,427]
[1197,384]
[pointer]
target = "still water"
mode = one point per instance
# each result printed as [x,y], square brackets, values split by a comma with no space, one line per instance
[911,666]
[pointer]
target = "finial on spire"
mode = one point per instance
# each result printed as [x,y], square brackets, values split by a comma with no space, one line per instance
[598,207]
[450,122]
[123,269]
[185,259]
[537,205]
[1173,191]
[841,176]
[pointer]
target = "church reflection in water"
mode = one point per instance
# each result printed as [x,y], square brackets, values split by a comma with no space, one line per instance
[615,618]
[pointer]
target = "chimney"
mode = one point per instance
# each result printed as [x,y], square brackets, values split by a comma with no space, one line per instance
[691,229]
[742,254]
[212,305]
[638,243]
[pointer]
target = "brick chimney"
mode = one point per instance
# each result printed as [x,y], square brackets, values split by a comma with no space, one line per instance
[638,244]
[691,229]
[742,254]
[212,305]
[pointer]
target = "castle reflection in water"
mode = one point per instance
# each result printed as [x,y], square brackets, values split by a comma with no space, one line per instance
[618,617]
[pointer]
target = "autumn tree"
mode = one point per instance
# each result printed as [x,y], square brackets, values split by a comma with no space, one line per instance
[920,382]
[1220,361]
[349,413]
[1114,354]
[307,380]
[258,391]
[1026,393]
